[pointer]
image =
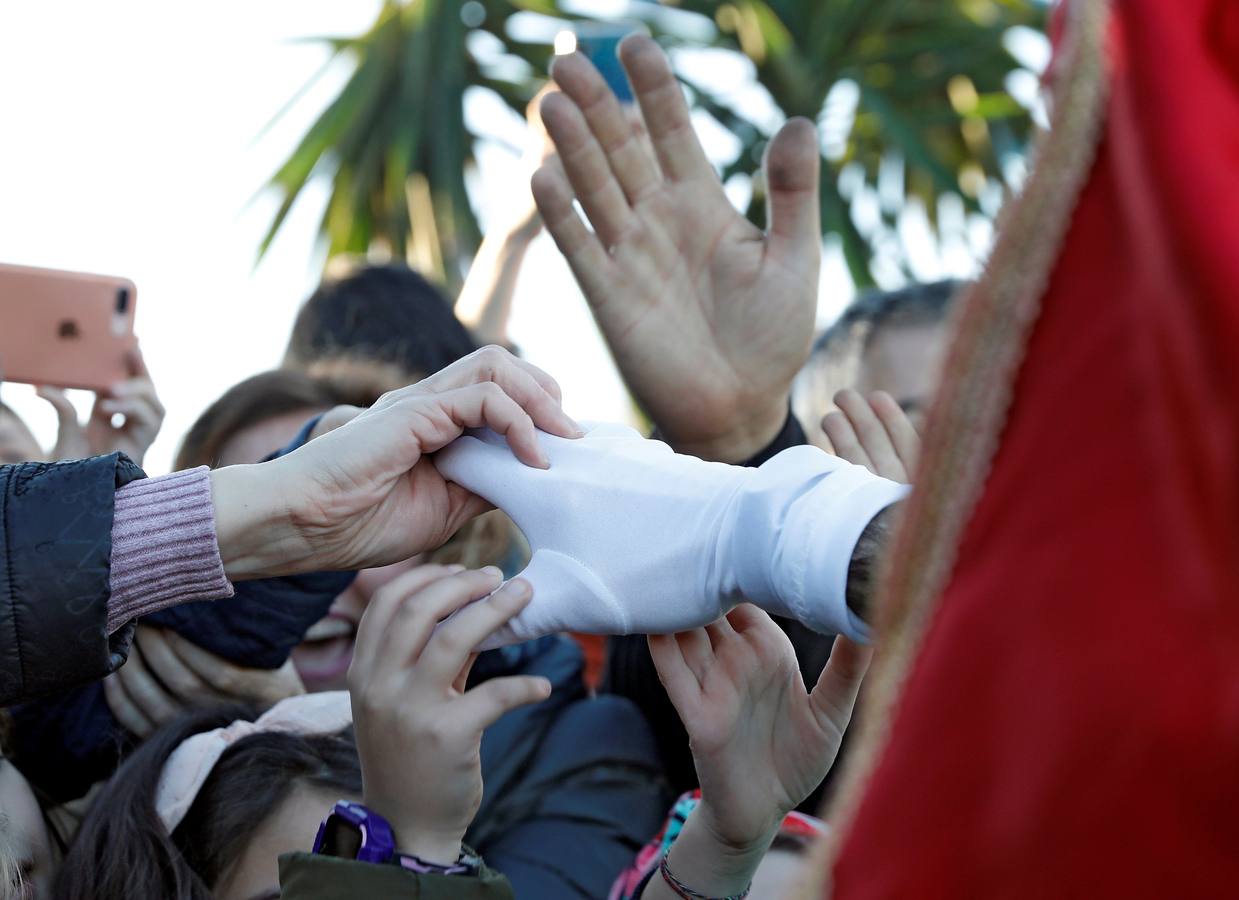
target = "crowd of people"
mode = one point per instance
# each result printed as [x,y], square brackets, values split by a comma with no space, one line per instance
[397,626]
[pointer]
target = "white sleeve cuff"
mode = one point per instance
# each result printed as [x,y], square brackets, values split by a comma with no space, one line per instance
[792,532]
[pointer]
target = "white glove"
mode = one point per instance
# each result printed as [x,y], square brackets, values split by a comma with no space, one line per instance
[630,537]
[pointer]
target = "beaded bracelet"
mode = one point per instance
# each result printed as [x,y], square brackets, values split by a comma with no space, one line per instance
[683,890]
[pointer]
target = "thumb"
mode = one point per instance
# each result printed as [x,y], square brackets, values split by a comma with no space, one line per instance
[836,689]
[793,170]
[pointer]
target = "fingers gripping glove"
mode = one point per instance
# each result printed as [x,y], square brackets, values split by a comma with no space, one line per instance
[630,537]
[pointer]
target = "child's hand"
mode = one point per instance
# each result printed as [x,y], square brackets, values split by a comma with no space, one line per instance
[418,731]
[875,433]
[761,742]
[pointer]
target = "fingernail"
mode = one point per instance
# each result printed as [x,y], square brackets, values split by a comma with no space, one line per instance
[493,571]
[518,588]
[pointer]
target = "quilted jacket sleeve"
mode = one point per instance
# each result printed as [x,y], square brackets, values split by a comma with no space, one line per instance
[55,550]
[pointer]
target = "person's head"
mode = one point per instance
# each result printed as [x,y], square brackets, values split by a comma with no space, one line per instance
[17,443]
[265,796]
[892,341]
[387,314]
[253,419]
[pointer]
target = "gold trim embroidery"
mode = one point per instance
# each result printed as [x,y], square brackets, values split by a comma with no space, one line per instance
[991,331]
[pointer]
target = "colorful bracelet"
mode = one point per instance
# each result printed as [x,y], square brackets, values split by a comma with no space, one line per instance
[469,863]
[683,890]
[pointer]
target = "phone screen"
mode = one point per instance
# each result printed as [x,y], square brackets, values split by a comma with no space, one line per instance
[600,43]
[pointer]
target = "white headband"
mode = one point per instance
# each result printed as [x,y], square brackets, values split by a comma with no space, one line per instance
[190,764]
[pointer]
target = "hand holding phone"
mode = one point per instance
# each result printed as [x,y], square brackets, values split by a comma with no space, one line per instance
[133,400]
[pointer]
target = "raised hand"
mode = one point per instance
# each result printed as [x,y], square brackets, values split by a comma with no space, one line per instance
[761,742]
[874,432]
[709,319]
[419,732]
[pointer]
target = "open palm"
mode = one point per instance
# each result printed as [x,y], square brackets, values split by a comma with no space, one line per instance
[761,741]
[709,318]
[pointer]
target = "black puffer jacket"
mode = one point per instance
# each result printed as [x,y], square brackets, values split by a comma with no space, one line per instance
[66,741]
[55,550]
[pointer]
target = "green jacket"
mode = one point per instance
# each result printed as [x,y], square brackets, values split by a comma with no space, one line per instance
[304,876]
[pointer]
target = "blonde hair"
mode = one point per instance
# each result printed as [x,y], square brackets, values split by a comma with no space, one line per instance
[11,879]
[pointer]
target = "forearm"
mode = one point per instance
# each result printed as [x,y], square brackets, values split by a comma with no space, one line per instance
[863,566]
[701,862]
[485,301]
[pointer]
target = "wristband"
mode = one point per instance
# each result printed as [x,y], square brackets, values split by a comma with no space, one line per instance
[683,890]
[468,863]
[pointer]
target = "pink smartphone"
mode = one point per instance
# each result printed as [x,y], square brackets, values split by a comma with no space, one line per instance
[65,329]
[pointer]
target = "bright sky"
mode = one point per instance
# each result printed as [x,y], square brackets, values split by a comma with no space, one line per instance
[129,148]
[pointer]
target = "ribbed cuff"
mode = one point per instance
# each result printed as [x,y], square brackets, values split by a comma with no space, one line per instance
[164,549]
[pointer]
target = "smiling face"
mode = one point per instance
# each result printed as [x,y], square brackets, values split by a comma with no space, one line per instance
[323,656]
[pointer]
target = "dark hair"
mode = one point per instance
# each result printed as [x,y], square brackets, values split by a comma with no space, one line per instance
[122,848]
[913,306]
[838,352]
[384,313]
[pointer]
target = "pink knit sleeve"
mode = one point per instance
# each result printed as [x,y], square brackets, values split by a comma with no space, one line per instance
[164,550]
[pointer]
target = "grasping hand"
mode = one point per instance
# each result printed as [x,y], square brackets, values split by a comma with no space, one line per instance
[134,400]
[709,319]
[875,433]
[419,732]
[366,493]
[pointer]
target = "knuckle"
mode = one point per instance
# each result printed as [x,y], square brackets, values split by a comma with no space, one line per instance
[449,645]
[371,699]
[438,733]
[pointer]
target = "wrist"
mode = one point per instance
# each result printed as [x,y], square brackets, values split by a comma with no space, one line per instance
[434,845]
[713,866]
[752,432]
[521,231]
[252,523]
[728,842]
[439,849]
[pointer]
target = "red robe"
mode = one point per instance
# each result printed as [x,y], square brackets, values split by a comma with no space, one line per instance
[1068,725]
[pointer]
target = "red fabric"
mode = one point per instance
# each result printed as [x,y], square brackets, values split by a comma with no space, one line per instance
[1071,727]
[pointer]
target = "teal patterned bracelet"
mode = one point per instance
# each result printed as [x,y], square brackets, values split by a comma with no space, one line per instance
[683,890]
